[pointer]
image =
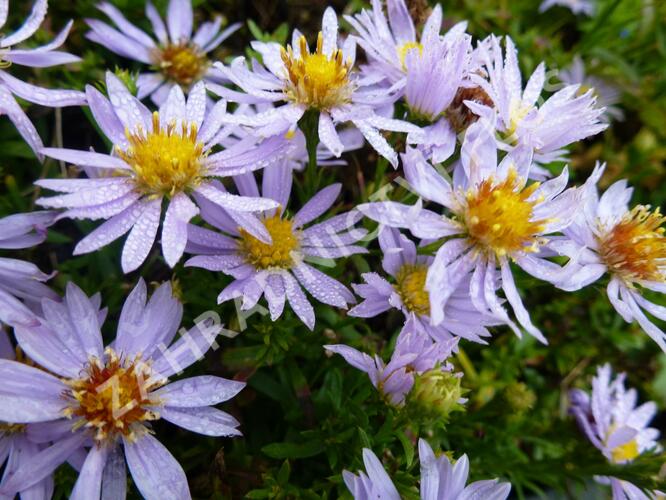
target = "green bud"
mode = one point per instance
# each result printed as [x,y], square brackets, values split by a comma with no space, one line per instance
[519,397]
[128,78]
[436,394]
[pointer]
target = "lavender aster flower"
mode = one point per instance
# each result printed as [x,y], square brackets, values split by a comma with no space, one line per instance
[427,73]
[106,398]
[440,479]
[409,295]
[323,81]
[496,218]
[628,244]
[275,266]
[562,119]
[586,7]
[178,57]
[607,95]
[414,355]
[158,156]
[39,57]
[19,278]
[615,425]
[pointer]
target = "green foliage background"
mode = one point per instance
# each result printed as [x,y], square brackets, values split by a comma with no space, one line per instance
[306,416]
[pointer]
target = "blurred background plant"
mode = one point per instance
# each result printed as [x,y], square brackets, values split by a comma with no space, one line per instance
[305,415]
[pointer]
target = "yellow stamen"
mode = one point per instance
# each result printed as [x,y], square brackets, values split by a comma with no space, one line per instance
[317,80]
[113,396]
[625,452]
[405,48]
[165,161]
[498,216]
[183,63]
[635,248]
[11,428]
[410,285]
[279,253]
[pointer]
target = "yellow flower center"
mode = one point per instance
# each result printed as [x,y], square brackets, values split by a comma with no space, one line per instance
[279,253]
[625,452]
[11,428]
[183,63]
[405,48]
[165,161]
[635,248]
[317,80]
[410,285]
[112,397]
[498,216]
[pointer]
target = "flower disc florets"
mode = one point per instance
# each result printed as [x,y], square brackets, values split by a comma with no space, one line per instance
[183,63]
[410,285]
[278,253]
[635,248]
[498,215]
[167,160]
[318,80]
[113,397]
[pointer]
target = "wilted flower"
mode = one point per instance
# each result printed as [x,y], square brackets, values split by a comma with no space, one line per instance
[628,244]
[586,7]
[322,82]
[564,118]
[414,355]
[39,57]
[497,217]
[158,156]
[426,73]
[408,293]
[615,425]
[106,398]
[440,479]
[607,95]
[273,264]
[178,57]
[19,278]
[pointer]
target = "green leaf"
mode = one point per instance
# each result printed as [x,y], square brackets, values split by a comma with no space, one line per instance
[294,450]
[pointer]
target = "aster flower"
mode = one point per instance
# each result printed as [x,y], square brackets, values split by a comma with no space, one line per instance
[627,244]
[106,398]
[17,277]
[564,118]
[408,293]
[607,94]
[414,355]
[161,156]
[39,57]
[496,217]
[586,7]
[428,73]
[177,56]
[614,424]
[323,82]
[275,267]
[440,479]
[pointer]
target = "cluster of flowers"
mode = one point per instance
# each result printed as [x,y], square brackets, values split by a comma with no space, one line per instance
[477,144]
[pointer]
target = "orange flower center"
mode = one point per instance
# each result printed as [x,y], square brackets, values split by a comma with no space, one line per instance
[635,248]
[112,398]
[183,63]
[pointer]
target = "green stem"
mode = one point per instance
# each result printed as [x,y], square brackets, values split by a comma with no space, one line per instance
[309,125]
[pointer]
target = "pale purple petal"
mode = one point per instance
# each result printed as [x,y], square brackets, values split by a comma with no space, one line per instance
[203,420]
[205,390]
[89,483]
[141,237]
[155,471]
